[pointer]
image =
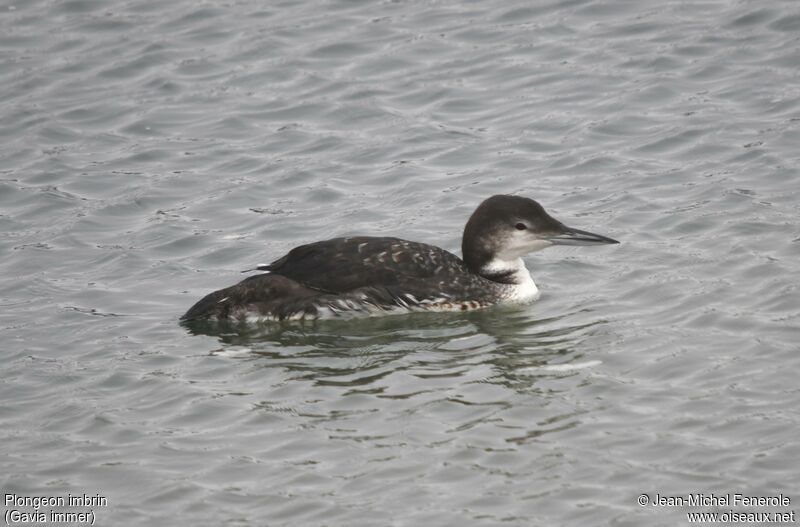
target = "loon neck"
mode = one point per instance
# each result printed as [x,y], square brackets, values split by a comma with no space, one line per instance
[512,272]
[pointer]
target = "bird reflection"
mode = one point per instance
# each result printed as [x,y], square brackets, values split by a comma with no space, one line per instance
[507,342]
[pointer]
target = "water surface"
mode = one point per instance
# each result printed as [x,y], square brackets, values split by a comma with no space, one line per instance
[151,150]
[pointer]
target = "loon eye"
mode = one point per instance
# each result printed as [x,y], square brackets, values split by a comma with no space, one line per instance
[520,226]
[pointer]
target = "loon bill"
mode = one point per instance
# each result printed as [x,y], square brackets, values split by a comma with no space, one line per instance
[365,275]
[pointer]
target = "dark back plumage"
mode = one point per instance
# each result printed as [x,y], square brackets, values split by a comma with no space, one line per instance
[356,273]
[340,265]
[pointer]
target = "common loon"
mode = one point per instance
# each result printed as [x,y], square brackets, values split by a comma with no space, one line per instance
[365,275]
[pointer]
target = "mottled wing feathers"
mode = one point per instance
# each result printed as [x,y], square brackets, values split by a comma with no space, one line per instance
[265,293]
[359,274]
[341,265]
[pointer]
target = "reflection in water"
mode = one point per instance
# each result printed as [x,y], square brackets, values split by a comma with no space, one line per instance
[473,396]
[356,353]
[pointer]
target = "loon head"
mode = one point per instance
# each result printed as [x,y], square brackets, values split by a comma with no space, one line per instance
[504,228]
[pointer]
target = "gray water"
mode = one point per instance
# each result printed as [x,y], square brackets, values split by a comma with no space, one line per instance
[153,149]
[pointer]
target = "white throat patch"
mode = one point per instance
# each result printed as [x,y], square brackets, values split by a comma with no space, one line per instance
[523,289]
